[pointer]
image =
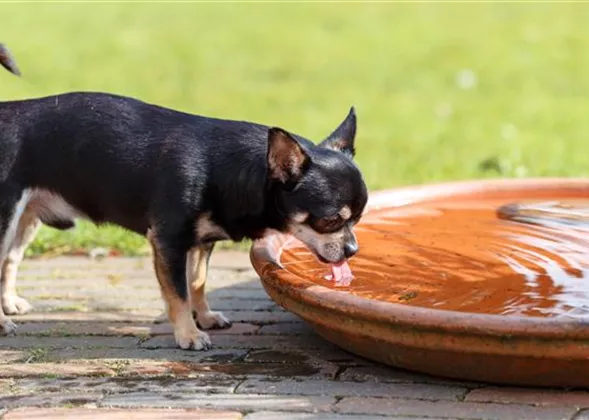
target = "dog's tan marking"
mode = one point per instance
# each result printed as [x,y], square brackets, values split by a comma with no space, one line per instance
[27,228]
[300,217]
[328,245]
[345,213]
[186,333]
[338,144]
[197,270]
[12,225]
[207,229]
[49,205]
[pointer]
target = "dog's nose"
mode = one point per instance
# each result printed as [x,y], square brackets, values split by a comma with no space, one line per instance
[350,249]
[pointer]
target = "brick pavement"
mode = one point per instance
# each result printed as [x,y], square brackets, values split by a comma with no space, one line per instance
[94,349]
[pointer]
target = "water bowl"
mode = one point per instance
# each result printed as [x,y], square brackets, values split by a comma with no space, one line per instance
[485,281]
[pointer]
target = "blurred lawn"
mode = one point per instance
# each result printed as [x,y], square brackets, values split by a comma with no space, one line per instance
[443,91]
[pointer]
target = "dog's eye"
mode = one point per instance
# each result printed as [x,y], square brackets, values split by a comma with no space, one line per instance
[328,224]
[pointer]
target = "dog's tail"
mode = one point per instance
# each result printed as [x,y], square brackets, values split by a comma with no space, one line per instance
[7,61]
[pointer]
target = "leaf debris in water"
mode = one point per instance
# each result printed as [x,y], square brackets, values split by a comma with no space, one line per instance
[408,296]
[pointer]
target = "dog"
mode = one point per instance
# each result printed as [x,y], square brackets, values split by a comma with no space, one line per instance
[183,181]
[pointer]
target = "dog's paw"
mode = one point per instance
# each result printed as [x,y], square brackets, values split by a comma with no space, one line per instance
[212,320]
[15,305]
[7,327]
[195,340]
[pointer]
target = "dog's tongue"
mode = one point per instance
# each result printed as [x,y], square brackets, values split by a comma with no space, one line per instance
[341,273]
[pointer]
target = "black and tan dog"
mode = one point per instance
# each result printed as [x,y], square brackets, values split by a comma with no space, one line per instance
[184,181]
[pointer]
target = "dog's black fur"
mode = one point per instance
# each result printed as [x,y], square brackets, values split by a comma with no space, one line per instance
[154,170]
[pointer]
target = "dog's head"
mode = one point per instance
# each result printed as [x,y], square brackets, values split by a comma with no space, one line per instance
[320,191]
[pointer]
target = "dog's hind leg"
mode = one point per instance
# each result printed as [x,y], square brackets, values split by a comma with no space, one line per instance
[169,257]
[27,228]
[197,268]
[13,202]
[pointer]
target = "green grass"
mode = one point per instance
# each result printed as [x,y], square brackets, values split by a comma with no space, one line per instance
[302,65]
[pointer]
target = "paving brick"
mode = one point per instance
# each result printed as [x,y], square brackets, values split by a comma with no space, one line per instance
[351,389]
[105,304]
[143,368]
[261,317]
[207,384]
[99,292]
[119,414]
[220,401]
[295,328]
[245,341]
[76,262]
[46,400]
[182,368]
[250,317]
[234,293]
[276,415]
[61,304]
[222,277]
[238,280]
[94,288]
[241,305]
[5,386]
[65,329]
[136,356]
[450,410]
[67,281]
[54,278]
[379,373]
[76,316]
[283,342]
[333,354]
[54,370]
[529,396]
[231,260]
[10,356]
[237,328]
[23,342]
[277,356]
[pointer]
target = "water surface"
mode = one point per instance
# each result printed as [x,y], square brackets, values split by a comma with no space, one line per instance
[484,256]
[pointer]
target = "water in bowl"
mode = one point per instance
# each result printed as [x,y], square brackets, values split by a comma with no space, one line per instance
[472,255]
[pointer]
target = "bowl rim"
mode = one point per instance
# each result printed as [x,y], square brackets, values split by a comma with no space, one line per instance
[265,254]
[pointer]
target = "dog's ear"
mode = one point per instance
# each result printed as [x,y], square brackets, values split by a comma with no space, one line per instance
[287,160]
[342,139]
[7,61]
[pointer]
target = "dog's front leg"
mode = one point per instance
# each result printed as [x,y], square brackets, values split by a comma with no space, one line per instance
[197,271]
[170,267]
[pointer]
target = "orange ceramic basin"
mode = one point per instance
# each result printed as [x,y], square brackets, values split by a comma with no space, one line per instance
[484,280]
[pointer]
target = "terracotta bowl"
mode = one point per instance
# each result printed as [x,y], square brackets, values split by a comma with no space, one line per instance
[523,348]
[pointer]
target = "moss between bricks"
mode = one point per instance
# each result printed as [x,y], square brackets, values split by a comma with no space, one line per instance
[36,355]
